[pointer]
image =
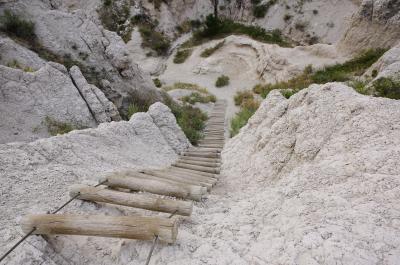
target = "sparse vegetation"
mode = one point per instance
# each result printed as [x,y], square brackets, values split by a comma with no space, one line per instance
[157,82]
[113,15]
[335,73]
[15,26]
[218,28]
[247,109]
[223,80]
[300,26]
[287,17]
[374,73]
[181,55]
[55,127]
[242,96]
[190,119]
[387,87]
[209,51]
[188,86]
[260,10]
[198,97]
[15,64]
[153,39]
[132,109]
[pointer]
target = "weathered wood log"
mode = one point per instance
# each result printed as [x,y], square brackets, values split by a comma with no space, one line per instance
[206,174]
[180,179]
[208,183]
[156,186]
[132,227]
[209,180]
[203,150]
[201,154]
[198,168]
[142,201]
[187,172]
[204,159]
[200,163]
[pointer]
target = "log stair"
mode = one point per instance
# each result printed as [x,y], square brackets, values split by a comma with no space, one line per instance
[169,190]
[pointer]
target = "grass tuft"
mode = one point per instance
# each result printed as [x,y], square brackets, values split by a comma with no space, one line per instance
[55,127]
[209,51]
[223,80]
[242,96]
[247,109]
[181,55]
[197,97]
[13,25]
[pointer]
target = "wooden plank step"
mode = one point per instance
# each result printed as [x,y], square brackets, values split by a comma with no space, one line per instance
[201,154]
[187,175]
[197,168]
[131,227]
[136,200]
[211,145]
[181,179]
[204,159]
[200,163]
[206,174]
[156,186]
[204,150]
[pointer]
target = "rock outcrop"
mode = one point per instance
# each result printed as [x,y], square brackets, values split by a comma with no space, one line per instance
[321,177]
[376,24]
[165,120]
[387,66]
[29,101]
[36,176]
[102,54]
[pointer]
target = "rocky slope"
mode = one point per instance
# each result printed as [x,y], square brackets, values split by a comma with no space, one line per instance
[77,37]
[376,24]
[36,177]
[321,178]
[34,93]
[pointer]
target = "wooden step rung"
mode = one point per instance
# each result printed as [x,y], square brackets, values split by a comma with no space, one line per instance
[197,168]
[204,159]
[201,154]
[213,178]
[131,227]
[175,177]
[200,163]
[136,200]
[206,174]
[156,186]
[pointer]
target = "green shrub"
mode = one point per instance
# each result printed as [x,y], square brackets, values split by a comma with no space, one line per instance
[359,86]
[197,97]
[15,26]
[223,80]
[386,87]
[260,10]
[113,16]
[153,39]
[190,119]
[247,109]
[242,96]
[214,28]
[157,82]
[181,55]
[335,73]
[132,109]
[15,64]
[287,17]
[374,73]
[209,51]
[55,127]
[287,93]
[188,86]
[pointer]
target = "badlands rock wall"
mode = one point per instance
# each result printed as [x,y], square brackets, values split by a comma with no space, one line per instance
[45,91]
[78,36]
[376,24]
[35,178]
[320,178]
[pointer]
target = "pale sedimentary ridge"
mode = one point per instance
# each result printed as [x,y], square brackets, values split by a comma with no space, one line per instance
[36,176]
